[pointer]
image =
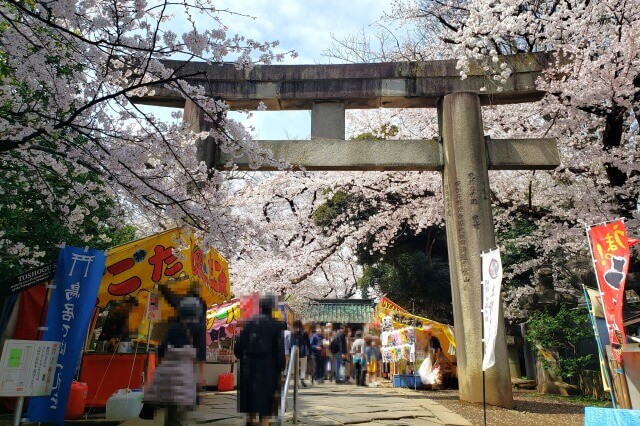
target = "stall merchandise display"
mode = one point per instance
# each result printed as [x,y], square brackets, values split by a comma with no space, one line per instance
[405,344]
[404,349]
[224,316]
[429,335]
[399,353]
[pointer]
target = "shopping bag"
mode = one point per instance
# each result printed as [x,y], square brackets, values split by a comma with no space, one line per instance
[342,373]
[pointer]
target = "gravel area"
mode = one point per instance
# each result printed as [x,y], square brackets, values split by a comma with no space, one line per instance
[530,409]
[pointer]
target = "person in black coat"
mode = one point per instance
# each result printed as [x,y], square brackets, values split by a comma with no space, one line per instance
[260,349]
[339,350]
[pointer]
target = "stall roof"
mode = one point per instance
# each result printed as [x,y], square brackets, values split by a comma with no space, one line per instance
[354,311]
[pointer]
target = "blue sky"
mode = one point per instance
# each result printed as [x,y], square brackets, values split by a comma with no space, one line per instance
[305,26]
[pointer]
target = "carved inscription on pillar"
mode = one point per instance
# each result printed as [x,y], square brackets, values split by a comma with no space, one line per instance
[461,235]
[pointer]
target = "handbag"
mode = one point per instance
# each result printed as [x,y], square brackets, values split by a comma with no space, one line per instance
[342,372]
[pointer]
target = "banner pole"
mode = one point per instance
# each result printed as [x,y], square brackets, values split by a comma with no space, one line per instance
[484,395]
[17,415]
[146,361]
[604,367]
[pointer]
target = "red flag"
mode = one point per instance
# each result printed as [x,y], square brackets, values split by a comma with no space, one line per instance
[249,306]
[610,249]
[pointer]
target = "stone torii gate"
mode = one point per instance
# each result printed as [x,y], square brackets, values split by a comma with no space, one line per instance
[462,153]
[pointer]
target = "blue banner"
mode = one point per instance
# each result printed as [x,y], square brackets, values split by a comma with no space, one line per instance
[594,416]
[76,280]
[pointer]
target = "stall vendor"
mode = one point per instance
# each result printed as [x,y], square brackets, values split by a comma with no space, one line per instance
[116,326]
[434,349]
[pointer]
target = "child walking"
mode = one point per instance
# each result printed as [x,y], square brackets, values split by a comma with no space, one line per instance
[373,357]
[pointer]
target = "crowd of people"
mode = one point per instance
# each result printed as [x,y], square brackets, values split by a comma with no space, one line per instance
[335,354]
[326,353]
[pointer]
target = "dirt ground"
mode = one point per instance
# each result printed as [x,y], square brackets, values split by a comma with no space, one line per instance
[530,409]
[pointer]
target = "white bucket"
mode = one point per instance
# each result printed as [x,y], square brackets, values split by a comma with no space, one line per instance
[124,404]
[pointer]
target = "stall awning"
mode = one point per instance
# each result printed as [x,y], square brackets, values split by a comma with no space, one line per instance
[223,315]
[401,318]
[354,311]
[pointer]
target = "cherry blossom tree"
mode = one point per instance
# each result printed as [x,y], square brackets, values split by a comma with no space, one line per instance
[69,70]
[591,108]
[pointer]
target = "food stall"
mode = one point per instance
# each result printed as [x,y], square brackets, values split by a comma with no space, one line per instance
[124,350]
[404,349]
[408,339]
[222,328]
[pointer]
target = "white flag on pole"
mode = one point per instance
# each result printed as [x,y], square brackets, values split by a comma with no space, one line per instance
[491,282]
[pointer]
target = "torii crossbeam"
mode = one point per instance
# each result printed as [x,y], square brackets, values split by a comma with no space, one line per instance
[462,153]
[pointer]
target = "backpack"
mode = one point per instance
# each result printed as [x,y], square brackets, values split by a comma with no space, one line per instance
[258,342]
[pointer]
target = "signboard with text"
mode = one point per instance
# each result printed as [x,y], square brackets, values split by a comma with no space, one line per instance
[135,268]
[27,367]
[27,279]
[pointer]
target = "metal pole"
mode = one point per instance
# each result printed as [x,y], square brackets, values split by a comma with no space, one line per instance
[601,355]
[285,389]
[146,361]
[484,388]
[296,373]
[17,415]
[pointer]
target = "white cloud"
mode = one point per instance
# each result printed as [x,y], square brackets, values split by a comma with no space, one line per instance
[303,26]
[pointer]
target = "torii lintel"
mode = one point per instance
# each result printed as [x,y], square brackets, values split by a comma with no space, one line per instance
[358,86]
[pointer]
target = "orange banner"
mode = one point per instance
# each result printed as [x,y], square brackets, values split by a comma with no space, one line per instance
[610,249]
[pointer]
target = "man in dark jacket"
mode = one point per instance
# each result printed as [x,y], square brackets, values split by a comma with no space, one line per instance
[260,349]
[300,338]
[339,351]
[316,353]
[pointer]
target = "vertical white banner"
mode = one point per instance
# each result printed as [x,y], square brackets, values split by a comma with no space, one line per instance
[491,283]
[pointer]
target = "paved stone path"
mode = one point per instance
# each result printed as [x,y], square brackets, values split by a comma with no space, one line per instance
[330,404]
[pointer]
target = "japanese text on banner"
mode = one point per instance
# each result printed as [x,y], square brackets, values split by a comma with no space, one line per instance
[610,249]
[491,284]
[76,282]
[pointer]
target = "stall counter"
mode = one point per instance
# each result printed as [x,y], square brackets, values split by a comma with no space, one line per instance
[105,373]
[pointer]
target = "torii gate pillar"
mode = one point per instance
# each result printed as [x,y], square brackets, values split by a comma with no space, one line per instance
[470,231]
